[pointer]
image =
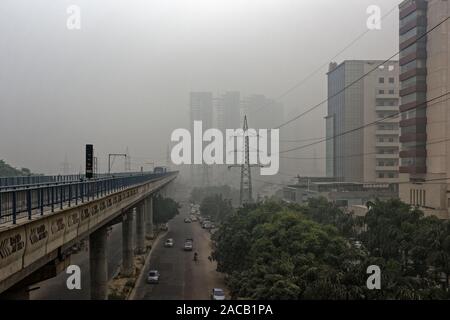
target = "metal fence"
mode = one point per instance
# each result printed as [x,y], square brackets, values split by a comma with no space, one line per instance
[8,182]
[26,200]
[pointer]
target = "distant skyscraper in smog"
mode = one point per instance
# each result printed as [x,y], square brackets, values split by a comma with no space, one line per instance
[229,110]
[424,125]
[262,112]
[201,109]
[369,154]
[228,116]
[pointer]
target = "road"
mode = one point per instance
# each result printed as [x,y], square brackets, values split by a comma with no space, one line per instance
[56,288]
[181,278]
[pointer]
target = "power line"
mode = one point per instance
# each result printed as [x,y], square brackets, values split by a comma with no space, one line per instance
[422,182]
[301,140]
[363,126]
[362,154]
[391,116]
[359,79]
[313,73]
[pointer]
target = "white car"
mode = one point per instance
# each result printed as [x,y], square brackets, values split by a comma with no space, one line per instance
[188,246]
[217,294]
[206,225]
[187,220]
[153,276]
[168,243]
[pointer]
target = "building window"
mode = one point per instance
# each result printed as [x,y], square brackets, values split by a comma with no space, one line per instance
[391,80]
[380,80]
[380,91]
[381,175]
[391,91]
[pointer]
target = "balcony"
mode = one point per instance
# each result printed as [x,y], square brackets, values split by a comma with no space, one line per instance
[409,8]
[391,119]
[412,73]
[386,168]
[387,132]
[386,156]
[386,108]
[413,169]
[420,87]
[387,144]
[411,137]
[386,180]
[386,95]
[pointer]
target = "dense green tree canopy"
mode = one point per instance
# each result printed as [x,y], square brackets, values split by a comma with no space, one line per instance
[284,251]
[7,171]
[199,193]
[216,207]
[164,209]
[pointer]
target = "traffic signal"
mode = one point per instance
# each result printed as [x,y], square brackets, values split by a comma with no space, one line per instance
[89,161]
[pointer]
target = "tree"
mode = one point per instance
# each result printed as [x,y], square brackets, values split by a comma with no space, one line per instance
[7,171]
[216,207]
[199,193]
[275,250]
[164,209]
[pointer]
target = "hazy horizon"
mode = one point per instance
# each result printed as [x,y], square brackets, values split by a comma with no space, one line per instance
[124,79]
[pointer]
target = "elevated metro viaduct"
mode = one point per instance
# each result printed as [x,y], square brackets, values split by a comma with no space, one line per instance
[35,247]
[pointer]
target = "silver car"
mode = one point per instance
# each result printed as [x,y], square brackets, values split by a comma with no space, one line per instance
[217,294]
[168,243]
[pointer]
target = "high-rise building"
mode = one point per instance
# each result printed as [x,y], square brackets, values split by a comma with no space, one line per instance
[201,109]
[263,112]
[228,116]
[424,125]
[369,154]
[229,110]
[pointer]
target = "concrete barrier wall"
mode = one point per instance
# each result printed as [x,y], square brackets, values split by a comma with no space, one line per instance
[28,241]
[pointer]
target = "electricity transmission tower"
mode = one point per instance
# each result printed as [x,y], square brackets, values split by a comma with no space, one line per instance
[246,192]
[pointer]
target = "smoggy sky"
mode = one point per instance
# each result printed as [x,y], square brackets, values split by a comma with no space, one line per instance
[124,79]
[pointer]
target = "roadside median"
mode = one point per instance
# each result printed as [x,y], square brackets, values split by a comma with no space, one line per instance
[122,287]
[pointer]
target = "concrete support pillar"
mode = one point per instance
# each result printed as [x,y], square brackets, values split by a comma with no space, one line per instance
[140,228]
[149,217]
[127,244]
[98,264]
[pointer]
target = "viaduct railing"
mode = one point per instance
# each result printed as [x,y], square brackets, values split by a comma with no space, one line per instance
[26,200]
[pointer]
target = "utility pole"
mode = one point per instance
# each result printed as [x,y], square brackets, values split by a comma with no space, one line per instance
[245,192]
